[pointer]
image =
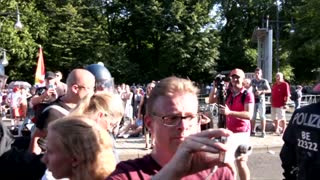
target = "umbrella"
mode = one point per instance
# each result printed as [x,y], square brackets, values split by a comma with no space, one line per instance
[19,84]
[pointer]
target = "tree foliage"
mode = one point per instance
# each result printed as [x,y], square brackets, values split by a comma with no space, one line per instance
[163,38]
[140,41]
[305,43]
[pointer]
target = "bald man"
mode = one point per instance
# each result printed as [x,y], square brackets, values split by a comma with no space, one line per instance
[80,82]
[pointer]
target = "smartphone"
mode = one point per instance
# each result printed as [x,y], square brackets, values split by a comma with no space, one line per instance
[51,86]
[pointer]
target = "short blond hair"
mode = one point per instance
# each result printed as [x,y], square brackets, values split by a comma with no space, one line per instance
[169,87]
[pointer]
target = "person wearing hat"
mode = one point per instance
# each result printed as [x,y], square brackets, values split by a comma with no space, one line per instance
[47,93]
[238,111]
[300,155]
[61,87]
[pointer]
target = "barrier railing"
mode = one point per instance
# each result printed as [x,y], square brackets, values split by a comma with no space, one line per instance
[305,100]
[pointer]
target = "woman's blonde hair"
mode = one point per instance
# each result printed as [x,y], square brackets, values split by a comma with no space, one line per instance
[84,140]
[107,102]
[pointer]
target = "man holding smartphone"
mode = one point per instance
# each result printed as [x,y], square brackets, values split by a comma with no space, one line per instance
[44,95]
[47,93]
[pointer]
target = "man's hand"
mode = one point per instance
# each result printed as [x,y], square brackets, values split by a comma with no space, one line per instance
[197,152]
[258,92]
[224,110]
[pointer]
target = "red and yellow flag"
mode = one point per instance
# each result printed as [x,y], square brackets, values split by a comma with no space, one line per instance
[40,72]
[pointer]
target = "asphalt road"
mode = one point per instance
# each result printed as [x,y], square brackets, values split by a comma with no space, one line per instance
[265,166]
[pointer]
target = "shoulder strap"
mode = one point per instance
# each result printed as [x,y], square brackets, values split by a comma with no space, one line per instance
[244,95]
[228,93]
[58,108]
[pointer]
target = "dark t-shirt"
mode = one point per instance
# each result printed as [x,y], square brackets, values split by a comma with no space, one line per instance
[300,154]
[260,85]
[18,164]
[144,105]
[51,114]
[145,167]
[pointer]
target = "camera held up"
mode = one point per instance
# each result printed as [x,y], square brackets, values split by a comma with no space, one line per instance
[220,83]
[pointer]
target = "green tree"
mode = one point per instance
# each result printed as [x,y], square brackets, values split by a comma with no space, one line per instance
[241,17]
[21,45]
[163,38]
[305,43]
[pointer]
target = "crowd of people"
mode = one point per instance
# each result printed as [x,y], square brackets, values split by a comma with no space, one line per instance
[76,124]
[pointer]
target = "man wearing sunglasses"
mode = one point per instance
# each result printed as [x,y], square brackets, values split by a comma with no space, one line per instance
[180,150]
[238,110]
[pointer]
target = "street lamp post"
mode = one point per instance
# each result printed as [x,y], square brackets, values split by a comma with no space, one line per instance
[263,36]
[3,61]
[277,37]
[18,25]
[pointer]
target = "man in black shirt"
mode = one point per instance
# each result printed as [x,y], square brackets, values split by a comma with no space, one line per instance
[80,82]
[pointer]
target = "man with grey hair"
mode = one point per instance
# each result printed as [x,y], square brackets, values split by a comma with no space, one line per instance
[280,94]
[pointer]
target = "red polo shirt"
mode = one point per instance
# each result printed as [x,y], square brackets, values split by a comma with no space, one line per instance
[234,103]
[279,94]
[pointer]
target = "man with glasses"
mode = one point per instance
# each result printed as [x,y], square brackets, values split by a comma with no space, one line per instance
[180,150]
[80,82]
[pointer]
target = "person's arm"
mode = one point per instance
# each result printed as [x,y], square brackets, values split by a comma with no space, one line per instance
[287,93]
[213,96]
[38,99]
[34,146]
[140,106]
[248,109]
[198,152]
[267,88]
[246,114]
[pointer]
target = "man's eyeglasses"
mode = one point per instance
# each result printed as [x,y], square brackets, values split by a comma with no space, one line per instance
[84,87]
[174,120]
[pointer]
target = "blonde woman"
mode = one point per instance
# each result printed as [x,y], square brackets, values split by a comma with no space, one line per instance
[79,149]
[103,107]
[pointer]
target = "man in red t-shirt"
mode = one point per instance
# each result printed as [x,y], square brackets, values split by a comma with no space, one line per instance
[180,150]
[280,94]
[238,114]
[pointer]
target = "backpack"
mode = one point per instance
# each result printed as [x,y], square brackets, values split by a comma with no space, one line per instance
[294,96]
[243,97]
